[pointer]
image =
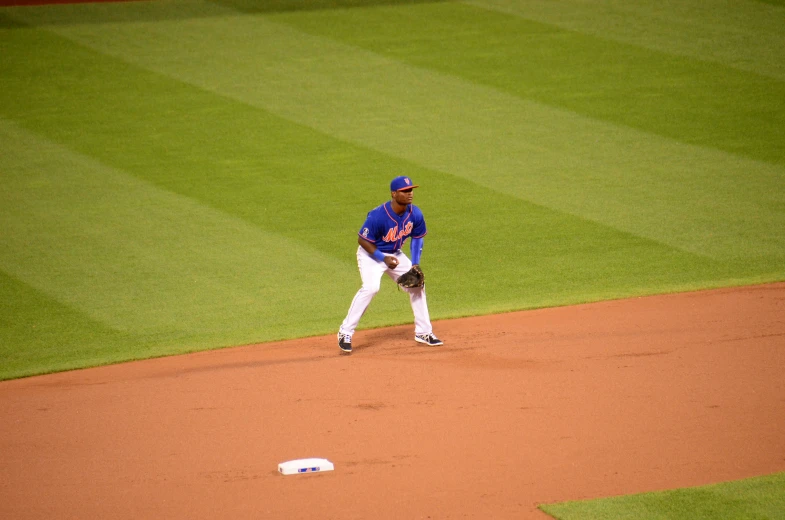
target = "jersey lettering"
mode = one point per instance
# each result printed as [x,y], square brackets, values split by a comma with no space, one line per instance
[388,230]
[394,235]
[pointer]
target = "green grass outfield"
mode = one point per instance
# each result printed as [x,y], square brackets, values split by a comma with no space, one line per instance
[759,498]
[188,175]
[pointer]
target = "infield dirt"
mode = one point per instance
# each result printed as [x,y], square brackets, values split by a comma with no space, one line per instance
[514,410]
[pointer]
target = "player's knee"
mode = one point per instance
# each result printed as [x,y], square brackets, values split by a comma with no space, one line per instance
[371,289]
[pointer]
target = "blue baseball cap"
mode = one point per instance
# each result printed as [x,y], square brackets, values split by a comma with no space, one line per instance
[402,183]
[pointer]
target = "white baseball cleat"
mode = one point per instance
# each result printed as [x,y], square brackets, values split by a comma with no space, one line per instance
[345,343]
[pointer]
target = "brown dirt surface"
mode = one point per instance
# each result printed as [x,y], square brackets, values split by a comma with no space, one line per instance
[514,410]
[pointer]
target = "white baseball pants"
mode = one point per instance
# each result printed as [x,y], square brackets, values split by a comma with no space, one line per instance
[371,273]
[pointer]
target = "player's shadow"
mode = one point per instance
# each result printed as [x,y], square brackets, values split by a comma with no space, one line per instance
[384,339]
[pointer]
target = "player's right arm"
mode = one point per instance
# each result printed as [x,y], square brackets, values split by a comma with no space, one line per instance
[389,260]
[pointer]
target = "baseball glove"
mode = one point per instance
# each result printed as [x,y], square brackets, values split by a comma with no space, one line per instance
[414,277]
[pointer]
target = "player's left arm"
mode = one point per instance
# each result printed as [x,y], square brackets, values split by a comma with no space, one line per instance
[416,250]
[418,234]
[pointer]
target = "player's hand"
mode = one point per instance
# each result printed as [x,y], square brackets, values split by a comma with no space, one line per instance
[391,261]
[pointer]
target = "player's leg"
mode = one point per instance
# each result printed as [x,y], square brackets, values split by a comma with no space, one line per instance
[423,331]
[371,273]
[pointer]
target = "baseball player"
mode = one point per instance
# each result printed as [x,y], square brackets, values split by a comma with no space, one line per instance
[381,239]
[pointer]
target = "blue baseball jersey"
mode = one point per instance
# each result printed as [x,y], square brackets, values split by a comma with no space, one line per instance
[388,230]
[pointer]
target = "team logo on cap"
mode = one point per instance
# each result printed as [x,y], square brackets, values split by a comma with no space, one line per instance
[407,181]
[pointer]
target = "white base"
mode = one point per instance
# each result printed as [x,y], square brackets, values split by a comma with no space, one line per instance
[293,467]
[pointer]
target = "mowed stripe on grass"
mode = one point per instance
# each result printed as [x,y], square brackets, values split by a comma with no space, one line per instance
[266,138]
[144,261]
[455,119]
[744,35]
